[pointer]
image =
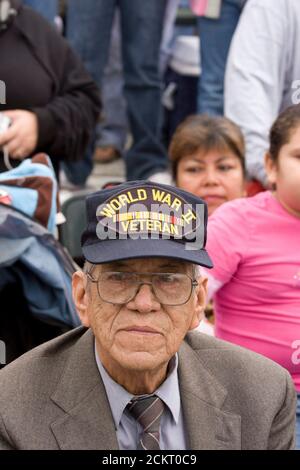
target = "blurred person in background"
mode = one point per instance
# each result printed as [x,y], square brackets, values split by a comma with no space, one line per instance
[113,129]
[217,20]
[263,74]
[255,245]
[88,30]
[52,102]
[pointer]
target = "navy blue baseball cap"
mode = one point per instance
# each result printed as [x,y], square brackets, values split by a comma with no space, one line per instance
[142,219]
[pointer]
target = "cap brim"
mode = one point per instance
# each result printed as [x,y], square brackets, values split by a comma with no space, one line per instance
[117,250]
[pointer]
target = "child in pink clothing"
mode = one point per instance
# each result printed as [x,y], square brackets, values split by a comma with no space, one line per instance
[255,247]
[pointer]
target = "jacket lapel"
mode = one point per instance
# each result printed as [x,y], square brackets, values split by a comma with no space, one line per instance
[202,396]
[86,421]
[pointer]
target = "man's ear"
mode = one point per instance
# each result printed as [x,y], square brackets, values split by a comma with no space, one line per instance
[80,296]
[200,302]
[271,169]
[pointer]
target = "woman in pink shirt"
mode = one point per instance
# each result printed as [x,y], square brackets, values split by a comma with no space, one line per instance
[255,246]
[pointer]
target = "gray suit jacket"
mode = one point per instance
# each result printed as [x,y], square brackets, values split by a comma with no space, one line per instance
[53,397]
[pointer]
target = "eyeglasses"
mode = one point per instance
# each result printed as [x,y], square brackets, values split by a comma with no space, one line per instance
[121,287]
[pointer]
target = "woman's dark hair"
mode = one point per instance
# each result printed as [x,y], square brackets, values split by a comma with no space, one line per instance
[282,130]
[205,133]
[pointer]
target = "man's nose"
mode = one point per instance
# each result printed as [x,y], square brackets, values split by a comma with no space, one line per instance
[144,300]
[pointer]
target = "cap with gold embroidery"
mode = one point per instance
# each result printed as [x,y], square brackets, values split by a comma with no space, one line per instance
[141,219]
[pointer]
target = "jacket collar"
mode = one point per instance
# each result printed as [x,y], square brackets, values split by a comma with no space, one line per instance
[86,421]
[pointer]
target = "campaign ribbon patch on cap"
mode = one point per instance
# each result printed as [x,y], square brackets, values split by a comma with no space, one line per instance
[147,211]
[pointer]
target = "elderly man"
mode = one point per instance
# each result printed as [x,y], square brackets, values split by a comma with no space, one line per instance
[134,376]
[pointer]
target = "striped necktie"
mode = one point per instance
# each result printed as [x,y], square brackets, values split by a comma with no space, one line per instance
[147,411]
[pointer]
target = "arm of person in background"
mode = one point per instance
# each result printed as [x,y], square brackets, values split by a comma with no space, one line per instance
[66,124]
[255,77]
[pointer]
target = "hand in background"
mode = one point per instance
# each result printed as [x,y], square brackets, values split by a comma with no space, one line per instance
[22,136]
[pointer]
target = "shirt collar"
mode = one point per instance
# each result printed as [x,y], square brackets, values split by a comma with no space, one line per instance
[119,398]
